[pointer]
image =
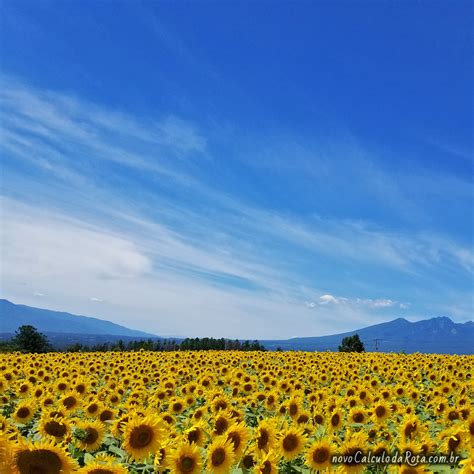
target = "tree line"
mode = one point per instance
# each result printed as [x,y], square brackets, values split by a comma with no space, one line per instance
[29,339]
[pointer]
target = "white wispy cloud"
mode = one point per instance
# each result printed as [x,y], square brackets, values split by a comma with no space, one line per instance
[377,303]
[174,250]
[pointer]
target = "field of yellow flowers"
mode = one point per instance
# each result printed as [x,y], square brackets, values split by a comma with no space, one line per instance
[236,412]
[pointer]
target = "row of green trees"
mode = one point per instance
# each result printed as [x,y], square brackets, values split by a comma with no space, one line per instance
[29,339]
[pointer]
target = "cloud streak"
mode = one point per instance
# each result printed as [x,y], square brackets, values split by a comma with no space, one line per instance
[99,202]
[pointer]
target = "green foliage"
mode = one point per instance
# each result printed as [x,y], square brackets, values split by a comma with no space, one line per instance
[352,344]
[29,339]
[166,345]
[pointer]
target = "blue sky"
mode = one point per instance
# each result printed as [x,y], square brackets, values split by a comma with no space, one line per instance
[238,169]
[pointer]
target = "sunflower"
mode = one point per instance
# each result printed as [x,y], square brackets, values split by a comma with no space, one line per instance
[405,469]
[357,415]
[470,428]
[107,414]
[336,419]
[268,464]
[185,460]
[222,422]
[293,407]
[354,443]
[142,436]
[238,435]
[101,468]
[381,412]
[427,445]
[196,434]
[24,411]
[220,456]
[54,426]
[454,439]
[40,457]
[248,460]
[291,442]
[467,466]
[303,418]
[381,448]
[25,389]
[410,427]
[319,455]
[177,405]
[5,453]
[264,436]
[93,408]
[89,435]
[70,401]
[162,457]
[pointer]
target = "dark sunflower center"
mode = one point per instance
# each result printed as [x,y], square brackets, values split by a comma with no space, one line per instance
[290,442]
[69,402]
[320,455]
[453,415]
[54,428]
[293,409]
[454,442]
[92,408]
[193,436]
[92,436]
[471,428]
[410,429]
[318,419]
[23,412]
[380,411]
[380,451]
[351,456]
[235,439]
[358,417]
[141,437]
[248,461]
[106,415]
[221,404]
[39,461]
[302,419]
[266,468]
[218,457]
[262,439]
[100,470]
[221,425]
[335,419]
[186,464]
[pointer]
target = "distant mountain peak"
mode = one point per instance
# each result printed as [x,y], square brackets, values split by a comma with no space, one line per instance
[435,335]
[14,315]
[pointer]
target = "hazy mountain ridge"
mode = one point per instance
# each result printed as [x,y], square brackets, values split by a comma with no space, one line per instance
[14,315]
[435,335]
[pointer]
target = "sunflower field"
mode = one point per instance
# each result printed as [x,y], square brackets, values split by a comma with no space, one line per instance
[234,412]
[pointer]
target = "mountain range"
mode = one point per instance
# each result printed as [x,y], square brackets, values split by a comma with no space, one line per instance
[435,335]
[46,321]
